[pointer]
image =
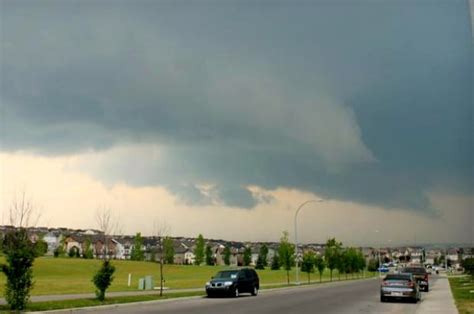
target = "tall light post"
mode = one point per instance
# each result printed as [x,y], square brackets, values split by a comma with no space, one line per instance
[296,233]
[378,251]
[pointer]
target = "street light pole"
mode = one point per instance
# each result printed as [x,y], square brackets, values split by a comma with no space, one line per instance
[378,251]
[296,234]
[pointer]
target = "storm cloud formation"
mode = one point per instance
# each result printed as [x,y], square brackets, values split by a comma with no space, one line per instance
[368,102]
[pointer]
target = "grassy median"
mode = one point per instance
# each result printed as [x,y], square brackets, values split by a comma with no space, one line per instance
[73,276]
[463,292]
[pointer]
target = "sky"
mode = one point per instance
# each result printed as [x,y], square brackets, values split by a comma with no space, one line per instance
[222,117]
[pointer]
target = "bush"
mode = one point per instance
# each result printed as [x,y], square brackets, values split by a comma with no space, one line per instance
[103,279]
[275,262]
[260,264]
[468,265]
[373,265]
[20,254]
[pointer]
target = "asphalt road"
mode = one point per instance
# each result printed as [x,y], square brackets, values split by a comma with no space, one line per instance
[360,296]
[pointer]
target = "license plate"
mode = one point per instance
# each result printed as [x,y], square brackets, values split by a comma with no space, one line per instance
[397,294]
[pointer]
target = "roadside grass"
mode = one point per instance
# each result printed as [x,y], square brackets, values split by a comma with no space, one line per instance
[464,298]
[73,276]
[69,304]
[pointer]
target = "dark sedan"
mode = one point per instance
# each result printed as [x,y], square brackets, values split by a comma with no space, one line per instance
[399,286]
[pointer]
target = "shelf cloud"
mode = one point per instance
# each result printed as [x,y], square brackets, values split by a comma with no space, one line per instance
[368,102]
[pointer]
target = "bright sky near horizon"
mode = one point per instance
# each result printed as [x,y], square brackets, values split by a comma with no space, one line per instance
[221,118]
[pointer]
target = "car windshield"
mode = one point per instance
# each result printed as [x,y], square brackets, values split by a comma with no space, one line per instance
[231,274]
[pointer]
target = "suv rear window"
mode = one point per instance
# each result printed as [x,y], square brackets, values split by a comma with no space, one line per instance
[414,270]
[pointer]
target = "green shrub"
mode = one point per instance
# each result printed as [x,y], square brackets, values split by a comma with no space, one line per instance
[103,278]
[20,254]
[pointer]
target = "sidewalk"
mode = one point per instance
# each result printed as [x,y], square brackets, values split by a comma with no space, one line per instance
[439,299]
[60,297]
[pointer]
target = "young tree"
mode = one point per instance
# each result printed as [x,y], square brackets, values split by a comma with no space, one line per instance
[361,264]
[199,250]
[373,264]
[22,212]
[41,247]
[108,224]
[468,265]
[209,257]
[169,250]
[20,254]
[260,264]
[161,231]
[88,252]
[341,263]
[264,254]
[275,262]
[103,278]
[307,264]
[331,254]
[320,265]
[247,256]
[227,255]
[137,253]
[59,251]
[286,251]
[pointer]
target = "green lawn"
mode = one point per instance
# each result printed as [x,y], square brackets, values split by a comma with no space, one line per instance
[68,304]
[67,275]
[461,288]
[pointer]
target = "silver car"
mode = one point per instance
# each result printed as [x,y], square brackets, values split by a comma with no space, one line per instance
[399,286]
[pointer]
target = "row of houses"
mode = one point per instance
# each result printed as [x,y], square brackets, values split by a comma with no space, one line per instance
[120,247]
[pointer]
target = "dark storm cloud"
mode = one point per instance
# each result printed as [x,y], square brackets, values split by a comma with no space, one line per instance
[368,102]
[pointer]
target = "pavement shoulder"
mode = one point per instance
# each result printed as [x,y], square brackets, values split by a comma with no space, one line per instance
[439,299]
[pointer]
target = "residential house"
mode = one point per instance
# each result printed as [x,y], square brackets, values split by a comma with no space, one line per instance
[123,246]
[53,240]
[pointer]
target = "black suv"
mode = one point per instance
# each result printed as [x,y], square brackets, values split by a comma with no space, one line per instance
[233,282]
[421,276]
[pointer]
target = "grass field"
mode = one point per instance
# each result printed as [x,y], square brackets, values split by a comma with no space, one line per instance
[461,288]
[68,304]
[68,276]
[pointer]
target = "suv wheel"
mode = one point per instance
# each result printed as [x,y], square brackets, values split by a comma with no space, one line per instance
[255,291]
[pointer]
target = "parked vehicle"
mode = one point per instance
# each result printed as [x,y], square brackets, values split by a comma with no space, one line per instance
[400,286]
[421,276]
[383,269]
[233,283]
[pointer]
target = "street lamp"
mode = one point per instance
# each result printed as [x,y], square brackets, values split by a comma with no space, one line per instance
[378,254]
[296,233]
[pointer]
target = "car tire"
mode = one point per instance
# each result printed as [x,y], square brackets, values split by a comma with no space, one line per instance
[210,295]
[383,299]
[255,291]
[427,288]
[236,292]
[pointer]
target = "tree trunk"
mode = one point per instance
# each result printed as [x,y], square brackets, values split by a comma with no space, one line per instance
[330,275]
[288,276]
[161,276]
